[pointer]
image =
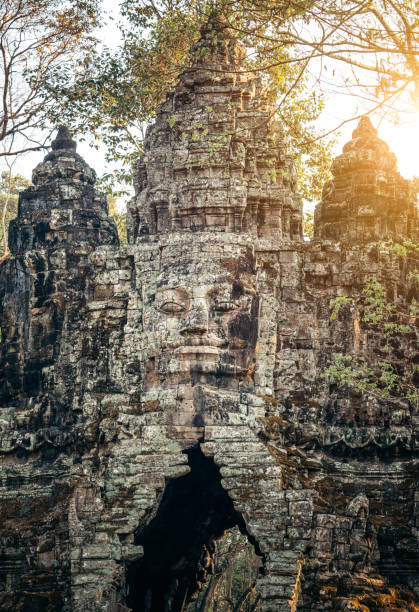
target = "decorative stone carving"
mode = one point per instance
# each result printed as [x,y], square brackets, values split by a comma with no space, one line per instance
[214,159]
[153,396]
[367,200]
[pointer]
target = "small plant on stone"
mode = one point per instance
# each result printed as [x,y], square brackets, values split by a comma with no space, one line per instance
[171,121]
[395,326]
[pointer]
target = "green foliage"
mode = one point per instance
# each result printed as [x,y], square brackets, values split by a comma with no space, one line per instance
[171,121]
[381,381]
[10,185]
[313,161]
[308,224]
[337,303]
[379,378]
[401,249]
[106,183]
[112,95]
[405,249]
[376,308]
[120,220]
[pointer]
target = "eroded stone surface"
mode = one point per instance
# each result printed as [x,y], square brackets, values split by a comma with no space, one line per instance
[367,200]
[154,395]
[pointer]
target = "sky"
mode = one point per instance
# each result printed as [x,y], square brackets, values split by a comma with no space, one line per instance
[403,138]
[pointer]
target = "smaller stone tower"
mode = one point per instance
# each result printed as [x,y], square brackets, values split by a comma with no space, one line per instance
[62,207]
[61,219]
[367,200]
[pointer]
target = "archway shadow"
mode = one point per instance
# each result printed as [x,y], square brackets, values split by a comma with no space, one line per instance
[178,542]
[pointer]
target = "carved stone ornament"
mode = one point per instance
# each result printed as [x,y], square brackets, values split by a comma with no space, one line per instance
[155,395]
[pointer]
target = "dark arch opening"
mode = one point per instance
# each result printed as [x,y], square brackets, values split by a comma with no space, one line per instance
[178,542]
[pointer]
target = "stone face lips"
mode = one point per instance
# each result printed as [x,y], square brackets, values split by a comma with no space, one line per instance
[153,396]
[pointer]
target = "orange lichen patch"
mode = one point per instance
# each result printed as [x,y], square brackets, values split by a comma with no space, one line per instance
[297,586]
[59,302]
[151,406]
[281,457]
[357,333]
[306,402]
[230,263]
[376,583]
[289,468]
[354,604]
[274,420]
[328,591]
[395,600]
[269,399]
[365,593]
[250,371]
[273,425]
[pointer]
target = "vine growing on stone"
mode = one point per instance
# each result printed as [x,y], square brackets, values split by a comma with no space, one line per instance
[380,378]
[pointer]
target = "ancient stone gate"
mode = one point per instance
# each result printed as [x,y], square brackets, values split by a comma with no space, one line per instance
[154,395]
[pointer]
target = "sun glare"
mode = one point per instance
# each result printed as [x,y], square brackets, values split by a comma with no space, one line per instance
[403,140]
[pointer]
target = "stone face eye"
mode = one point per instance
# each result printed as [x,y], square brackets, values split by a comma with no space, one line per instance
[225,306]
[172,308]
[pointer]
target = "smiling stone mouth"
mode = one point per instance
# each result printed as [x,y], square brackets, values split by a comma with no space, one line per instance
[197,350]
[198,344]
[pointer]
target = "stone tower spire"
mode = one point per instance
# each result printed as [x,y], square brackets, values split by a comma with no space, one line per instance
[63,140]
[61,219]
[217,45]
[62,207]
[215,158]
[367,199]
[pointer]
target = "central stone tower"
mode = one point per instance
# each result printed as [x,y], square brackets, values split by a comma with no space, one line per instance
[215,160]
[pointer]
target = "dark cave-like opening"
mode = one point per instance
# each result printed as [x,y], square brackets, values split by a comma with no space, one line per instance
[178,542]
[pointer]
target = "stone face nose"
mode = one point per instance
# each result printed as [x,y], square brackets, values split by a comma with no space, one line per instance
[196,322]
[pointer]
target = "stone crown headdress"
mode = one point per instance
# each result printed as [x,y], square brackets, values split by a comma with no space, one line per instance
[215,158]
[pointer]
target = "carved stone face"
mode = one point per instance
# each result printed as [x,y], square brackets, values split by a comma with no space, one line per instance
[201,317]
